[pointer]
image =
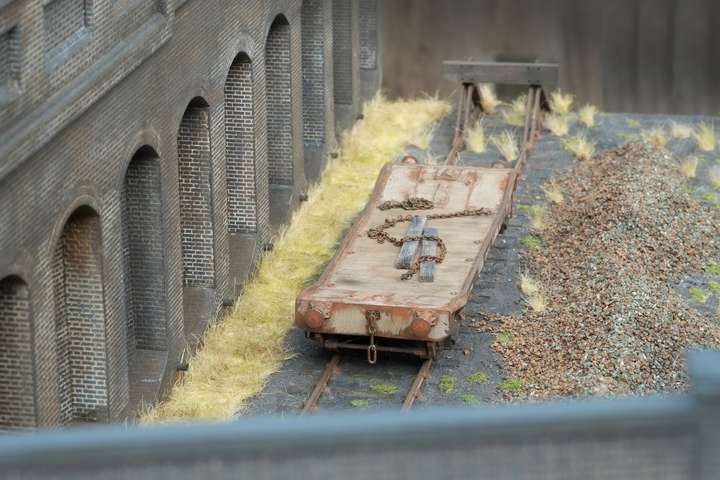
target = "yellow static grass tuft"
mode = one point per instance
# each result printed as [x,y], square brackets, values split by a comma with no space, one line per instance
[705,137]
[534,296]
[587,115]
[557,124]
[580,146]
[714,174]
[553,193]
[680,131]
[240,352]
[489,100]
[476,140]
[688,167]
[656,136]
[507,145]
[561,103]
[515,115]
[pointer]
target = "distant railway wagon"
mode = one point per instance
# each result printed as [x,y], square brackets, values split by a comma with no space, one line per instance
[405,270]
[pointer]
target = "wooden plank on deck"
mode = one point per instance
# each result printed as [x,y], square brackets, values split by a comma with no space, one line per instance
[409,249]
[429,248]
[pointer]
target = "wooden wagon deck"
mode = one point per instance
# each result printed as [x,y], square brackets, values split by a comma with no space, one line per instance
[362,285]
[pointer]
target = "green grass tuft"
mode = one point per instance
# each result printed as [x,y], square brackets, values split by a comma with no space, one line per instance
[531,241]
[478,378]
[712,268]
[384,388]
[512,385]
[699,295]
[505,338]
[471,400]
[360,403]
[714,287]
[447,384]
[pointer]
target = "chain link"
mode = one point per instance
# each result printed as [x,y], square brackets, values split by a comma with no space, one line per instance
[414,203]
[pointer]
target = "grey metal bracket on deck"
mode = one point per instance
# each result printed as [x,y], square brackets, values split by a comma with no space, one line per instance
[428,249]
[506,73]
[409,249]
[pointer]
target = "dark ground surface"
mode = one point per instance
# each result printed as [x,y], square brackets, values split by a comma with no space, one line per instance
[357,385]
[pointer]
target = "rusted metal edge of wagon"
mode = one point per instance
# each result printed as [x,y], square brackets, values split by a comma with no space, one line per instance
[361,303]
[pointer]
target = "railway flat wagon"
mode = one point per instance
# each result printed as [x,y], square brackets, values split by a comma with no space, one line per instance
[404,271]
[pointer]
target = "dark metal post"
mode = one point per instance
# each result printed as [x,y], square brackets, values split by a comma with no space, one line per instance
[704,369]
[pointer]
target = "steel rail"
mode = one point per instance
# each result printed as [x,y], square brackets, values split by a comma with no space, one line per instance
[423,374]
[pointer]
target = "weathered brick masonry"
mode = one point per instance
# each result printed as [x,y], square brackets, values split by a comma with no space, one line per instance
[140,141]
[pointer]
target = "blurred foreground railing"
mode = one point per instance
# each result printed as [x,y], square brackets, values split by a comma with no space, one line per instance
[670,437]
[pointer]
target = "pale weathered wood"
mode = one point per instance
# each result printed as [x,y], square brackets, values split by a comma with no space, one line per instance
[429,247]
[506,73]
[409,249]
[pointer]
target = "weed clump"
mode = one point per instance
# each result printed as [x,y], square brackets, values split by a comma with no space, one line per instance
[531,241]
[580,146]
[688,167]
[384,388]
[656,136]
[553,193]
[705,137]
[512,385]
[561,103]
[447,384]
[680,131]
[476,140]
[489,100]
[586,115]
[506,145]
[557,124]
[478,378]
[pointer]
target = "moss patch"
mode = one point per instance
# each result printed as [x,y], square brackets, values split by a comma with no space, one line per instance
[384,388]
[478,378]
[447,384]
[531,241]
[712,268]
[512,385]
[699,295]
[471,400]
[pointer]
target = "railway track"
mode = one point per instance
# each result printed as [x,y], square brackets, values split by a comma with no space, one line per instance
[468,110]
[312,403]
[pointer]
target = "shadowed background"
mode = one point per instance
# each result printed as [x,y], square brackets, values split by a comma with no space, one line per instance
[621,55]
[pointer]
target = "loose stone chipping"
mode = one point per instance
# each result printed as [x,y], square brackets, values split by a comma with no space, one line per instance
[611,253]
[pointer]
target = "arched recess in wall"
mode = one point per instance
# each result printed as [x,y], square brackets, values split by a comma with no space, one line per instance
[313,71]
[279,126]
[143,253]
[195,175]
[80,319]
[17,395]
[344,65]
[240,146]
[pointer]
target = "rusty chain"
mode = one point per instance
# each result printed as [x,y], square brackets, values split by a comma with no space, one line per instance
[414,203]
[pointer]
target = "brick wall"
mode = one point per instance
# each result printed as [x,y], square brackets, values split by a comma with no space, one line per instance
[313,71]
[17,399]
[368,34]
[342,51]
[143,253]
[77,117]
[240,146]
[194,169]
[279,127]
[9,61]
[80,319]
[64,21]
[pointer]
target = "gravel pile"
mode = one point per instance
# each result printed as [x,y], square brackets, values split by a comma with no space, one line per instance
[626,233]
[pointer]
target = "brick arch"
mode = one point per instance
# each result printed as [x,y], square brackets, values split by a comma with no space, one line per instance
[80,319]
[241,169]
[17,392]
[314,41]
[195,192]
[278,91]
[143,253]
